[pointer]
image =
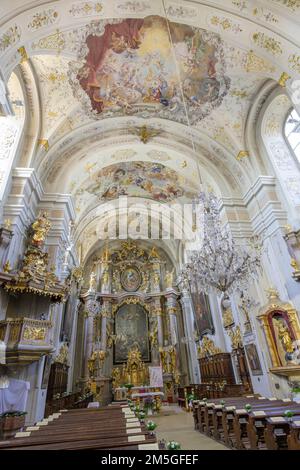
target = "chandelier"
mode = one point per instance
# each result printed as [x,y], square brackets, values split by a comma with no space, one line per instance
[219,265]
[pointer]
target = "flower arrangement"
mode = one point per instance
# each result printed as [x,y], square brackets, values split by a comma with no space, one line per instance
[141,415]
[248,407]
[173,445]
[204,399]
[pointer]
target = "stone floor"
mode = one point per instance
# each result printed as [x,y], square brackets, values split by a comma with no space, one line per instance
[178,425]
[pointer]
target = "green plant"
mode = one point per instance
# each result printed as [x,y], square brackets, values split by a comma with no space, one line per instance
[248,407]
[173,445]
[10,414]
[128,386]
[288,414]
[191,397]
[296,390]
[222,402]
[151,425]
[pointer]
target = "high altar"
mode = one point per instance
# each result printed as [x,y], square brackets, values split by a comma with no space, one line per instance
[133,317]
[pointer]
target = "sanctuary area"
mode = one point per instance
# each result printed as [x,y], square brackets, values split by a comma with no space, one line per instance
[149,224]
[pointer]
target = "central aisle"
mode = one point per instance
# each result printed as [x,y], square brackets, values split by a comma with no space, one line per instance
[178,425]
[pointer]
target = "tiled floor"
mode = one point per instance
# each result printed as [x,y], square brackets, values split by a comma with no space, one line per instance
[178,425]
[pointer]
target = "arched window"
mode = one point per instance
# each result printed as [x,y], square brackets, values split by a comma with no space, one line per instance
[292,132]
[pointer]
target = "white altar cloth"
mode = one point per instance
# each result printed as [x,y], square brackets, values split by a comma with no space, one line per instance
[14,397]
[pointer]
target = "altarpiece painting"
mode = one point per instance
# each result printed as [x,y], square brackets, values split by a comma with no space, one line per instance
[202,311]
[131,330]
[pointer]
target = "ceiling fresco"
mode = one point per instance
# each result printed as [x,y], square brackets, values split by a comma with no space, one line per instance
[122,70]
[134,179]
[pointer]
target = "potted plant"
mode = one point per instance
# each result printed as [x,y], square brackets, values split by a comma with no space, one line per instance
[173,445]
[12,422]
[141,415]
[289,414]
[248,407]
[151,426]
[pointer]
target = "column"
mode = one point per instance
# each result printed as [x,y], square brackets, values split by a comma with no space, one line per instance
[158,314]
[188,320]
[172,308]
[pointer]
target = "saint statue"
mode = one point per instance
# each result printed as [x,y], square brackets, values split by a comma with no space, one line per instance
[284,336]
[169,279]
[93,281]
[40,227]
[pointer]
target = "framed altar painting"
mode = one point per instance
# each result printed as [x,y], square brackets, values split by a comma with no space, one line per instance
[253,359]
[202,313]
[131,331]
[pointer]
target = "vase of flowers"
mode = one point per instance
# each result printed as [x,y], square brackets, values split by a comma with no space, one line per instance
[12,422]
[173,445]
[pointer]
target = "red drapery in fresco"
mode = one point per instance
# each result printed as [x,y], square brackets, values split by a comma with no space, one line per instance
[98,45]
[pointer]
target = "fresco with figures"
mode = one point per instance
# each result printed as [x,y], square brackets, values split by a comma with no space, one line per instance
[137,179]
[121,70]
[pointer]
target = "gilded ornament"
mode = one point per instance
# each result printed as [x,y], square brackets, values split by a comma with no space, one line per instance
[93,282]
[295,264]
[7,224]
[7,267]
[208,348]
[23,54]
[242,154]
[44,143]
[236,337]
[266,42]
[40,227]
[169,279]
[145,134]
[284,77]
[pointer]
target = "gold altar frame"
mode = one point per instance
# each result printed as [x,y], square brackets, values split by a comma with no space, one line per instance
[133,300]
[264,319]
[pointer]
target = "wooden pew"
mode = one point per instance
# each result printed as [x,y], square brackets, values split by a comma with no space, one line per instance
[293,439]
[278,430]
[104,428]
[257,423]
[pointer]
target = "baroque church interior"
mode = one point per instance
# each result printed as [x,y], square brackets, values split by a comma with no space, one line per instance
[150,224]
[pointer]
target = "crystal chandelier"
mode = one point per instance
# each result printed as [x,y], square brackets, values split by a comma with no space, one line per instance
[219,265]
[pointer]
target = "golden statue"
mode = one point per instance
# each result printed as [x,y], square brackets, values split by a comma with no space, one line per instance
[227,318]
[40,227]
[153,253]
[169,277]
[284,336]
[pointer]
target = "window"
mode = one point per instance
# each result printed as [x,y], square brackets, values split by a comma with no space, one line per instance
[292,132]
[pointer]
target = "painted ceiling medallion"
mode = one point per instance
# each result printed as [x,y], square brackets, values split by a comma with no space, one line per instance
[122,70]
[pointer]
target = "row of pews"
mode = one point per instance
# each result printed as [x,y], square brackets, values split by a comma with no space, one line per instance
[208,390]
[264,426]
[111,427]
